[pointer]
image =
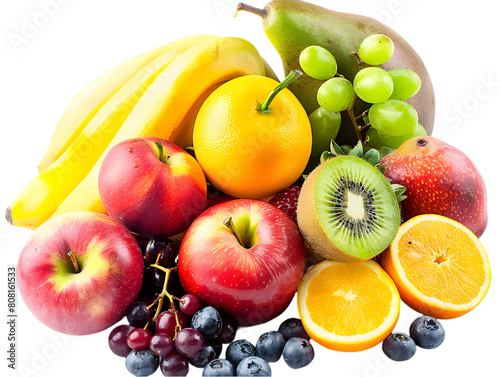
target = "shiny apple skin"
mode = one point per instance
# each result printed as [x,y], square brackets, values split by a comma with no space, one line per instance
[95,298]
[252,285]
[148,196]
[440,179]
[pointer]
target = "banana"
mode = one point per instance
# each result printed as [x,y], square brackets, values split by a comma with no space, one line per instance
[43,195]
[91,99]
[162,108]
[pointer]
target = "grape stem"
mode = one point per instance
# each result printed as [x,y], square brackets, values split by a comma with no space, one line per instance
[161,297]
[350,111]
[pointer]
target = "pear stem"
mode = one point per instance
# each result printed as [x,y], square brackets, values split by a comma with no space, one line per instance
[248,8]
[75,263]
[292,76]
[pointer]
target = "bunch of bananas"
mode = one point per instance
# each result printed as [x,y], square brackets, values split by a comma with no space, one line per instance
[155,94]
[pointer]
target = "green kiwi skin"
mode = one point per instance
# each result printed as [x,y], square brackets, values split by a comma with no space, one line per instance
[317,232]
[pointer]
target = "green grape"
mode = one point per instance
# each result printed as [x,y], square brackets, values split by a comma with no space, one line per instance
[318,62]
[396,141]
[325,126]
[393,117]
[385,150]
[336,94]
[346,148]
[406,83]
[374,136]
[373,85]
[376,49]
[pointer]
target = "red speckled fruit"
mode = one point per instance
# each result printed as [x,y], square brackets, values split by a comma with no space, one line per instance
[439,179]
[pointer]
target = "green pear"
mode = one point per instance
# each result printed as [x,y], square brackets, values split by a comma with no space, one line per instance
[293,25]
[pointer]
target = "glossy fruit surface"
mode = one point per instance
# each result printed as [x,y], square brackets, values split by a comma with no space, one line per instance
[325,127]
[430,168]
[239,350]
[107,272]
[376,49]
[373,85]
[245,153]
[395,142]
[270,345]
[245,258]
[318,62]
[286,200]
[152,186]
[452,259]
[335,94]
[406,83]
[393,117]
[348,306]
[117,340]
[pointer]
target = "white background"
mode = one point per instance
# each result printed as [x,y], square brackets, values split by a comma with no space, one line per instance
[457,40]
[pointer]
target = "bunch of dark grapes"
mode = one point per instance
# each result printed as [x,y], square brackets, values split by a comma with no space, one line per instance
[166,331]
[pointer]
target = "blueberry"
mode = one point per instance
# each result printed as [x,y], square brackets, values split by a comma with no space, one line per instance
[399,347]
[209,352]
[298,352]
[427,332]
[253,366]
[239,350]
[219,367]
[270,346]
[208,322]
[142,363]
[292,328]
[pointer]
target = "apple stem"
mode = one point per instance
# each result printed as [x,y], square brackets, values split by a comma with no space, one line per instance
[161,156]
[73,259]
[292,76]
[228,222]
[248,8]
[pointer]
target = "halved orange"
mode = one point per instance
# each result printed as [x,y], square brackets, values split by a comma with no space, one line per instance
[439,266]
[348,306]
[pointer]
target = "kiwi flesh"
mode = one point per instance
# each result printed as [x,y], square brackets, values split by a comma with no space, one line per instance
[347,210]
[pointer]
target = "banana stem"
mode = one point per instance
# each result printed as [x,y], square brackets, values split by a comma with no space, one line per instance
[248,8]
[292,76]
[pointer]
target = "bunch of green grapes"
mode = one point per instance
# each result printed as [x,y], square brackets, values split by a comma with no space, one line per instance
[392,121]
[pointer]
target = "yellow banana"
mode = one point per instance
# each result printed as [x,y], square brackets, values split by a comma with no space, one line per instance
[43,195]
[91,99]
[166,103]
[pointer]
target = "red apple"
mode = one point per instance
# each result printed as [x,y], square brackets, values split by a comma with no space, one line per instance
[244,257]
[439,179]
[89,289]
[152,186]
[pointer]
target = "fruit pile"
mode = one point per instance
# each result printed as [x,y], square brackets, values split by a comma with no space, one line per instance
[192,193]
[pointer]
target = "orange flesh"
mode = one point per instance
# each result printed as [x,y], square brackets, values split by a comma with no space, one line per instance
[348,299]
[442,261]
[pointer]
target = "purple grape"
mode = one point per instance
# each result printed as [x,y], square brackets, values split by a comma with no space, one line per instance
[161,344]
[228,333]
[189,304]
[189,342]
[138,314]
[166,247]
[138,339]
[118,340]
[165,323]
[174,364]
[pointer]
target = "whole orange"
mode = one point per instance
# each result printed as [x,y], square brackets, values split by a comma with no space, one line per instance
[246,152]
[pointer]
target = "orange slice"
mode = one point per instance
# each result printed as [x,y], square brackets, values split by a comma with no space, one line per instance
[439,266]
[348,306]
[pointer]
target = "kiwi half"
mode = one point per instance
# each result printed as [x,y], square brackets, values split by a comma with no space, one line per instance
[347,210]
